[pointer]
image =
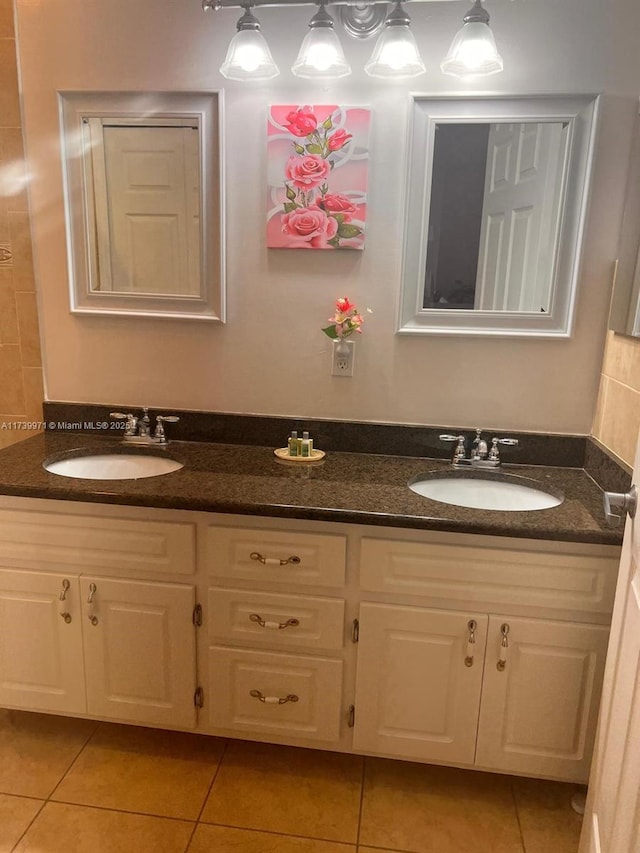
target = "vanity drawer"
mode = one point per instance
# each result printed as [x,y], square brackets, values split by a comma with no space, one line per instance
[302,559]
[264,619]
[93,543]
[302,695]
[561,580]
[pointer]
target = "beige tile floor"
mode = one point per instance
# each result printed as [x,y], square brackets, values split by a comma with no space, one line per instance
[73,785]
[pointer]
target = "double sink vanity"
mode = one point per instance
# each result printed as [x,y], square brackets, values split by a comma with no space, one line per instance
[327,604]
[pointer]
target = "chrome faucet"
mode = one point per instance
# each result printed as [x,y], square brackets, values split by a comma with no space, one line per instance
[479,448]
[138,429]
[479,456]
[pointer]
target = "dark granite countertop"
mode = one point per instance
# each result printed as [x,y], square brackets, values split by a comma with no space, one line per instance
[359,488]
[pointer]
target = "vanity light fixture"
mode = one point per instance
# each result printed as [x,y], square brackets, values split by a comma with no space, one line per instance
[321,56]
[396,53]
[248,56]
[396,56]
[473,51]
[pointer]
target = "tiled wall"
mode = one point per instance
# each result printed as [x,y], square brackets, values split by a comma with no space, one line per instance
[617,418]
[21,391]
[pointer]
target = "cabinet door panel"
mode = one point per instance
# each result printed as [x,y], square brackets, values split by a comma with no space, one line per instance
[316,682]
[539,713]
[41,663]
[140,653]
[38,540]
[415,696]
[498,576]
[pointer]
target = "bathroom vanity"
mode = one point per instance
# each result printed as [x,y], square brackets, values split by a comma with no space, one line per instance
[323,606]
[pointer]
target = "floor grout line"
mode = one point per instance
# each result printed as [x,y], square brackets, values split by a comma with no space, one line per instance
[120,811]
[209,789]
[31,822]
[22,796]
[77,756]
[279,833]
[515,806]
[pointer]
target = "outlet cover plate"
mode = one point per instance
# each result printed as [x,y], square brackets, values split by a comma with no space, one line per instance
[342,364]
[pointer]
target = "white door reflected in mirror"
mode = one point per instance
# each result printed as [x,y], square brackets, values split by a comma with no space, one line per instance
[497,197]
[144,203]
[146,191]
[495,209]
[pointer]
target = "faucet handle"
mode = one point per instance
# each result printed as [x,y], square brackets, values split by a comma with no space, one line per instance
[160,421]
[460,451]
[132,421]
[494,456]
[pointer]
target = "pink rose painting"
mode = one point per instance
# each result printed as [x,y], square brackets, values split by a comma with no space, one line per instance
[317,162]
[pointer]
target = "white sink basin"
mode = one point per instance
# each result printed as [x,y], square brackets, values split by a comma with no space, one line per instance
[113,466]
[484,494]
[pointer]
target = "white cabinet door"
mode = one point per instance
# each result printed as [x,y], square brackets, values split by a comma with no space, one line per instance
[140,651]
[539,710]
[418,682]
[41,664]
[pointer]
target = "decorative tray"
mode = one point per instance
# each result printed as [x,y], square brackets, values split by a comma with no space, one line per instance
[283,453]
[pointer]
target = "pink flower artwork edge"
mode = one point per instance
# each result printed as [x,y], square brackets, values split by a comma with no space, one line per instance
[317,159]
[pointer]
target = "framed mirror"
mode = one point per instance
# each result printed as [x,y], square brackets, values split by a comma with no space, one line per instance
[496,203]
[144,201]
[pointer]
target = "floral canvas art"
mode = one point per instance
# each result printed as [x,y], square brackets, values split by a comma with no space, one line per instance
[317,174]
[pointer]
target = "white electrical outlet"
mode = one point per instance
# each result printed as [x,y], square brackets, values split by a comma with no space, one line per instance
[342,364]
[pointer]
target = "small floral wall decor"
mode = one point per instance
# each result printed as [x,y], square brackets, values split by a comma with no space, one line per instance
[317,173]
[345,321]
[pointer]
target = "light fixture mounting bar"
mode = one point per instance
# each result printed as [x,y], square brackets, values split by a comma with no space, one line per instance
[241,4]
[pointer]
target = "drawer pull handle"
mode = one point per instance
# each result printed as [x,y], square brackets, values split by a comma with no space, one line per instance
[273,700]
[504,645]
[274,561]
[274,626]
[471,642]
[91,615]
[63,596]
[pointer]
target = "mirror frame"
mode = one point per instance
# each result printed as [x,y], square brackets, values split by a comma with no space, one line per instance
[624,317]
[205,107]
[580,112]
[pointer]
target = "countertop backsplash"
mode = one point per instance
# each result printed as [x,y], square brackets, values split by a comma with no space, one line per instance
[562,451]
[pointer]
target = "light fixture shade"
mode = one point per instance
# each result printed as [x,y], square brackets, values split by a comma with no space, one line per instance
[473,51]
[321,56]
[396,54]
[248,56]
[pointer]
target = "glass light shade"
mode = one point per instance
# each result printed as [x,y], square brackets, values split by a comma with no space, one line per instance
[395,55]
[321,56]
[473,51]
[249,58]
